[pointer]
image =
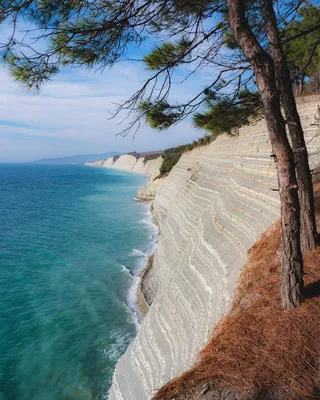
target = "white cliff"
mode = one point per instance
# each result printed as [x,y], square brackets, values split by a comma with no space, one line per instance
[131,163]
[150,168]
[148,192]
[125,162]
[211,208]
[108,163]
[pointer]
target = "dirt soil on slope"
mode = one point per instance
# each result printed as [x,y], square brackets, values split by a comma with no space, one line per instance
[259,350]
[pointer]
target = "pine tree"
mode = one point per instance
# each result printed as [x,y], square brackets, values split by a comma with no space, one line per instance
[239,43]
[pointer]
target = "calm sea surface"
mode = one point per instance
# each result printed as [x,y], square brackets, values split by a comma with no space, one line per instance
[71,240]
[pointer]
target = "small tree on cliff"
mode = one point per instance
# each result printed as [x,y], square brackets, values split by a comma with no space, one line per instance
[240,43]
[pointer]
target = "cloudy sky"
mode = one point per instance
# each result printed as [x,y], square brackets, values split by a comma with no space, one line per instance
[70,115]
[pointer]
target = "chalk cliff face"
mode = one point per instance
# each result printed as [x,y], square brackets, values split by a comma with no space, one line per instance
[108,163]
[148,192]
[125,163]
[131,163]
[211,208]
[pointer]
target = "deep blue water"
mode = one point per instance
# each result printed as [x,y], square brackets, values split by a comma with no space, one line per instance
[69,235]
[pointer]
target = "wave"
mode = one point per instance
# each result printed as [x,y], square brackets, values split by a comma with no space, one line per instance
[122,339]
[144,221]
[132,302]
[153,229]
[137,253]
[141,262]
[126,270]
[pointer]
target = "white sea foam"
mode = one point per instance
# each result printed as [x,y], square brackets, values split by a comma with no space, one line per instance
[144,221]
[137,253]
[126,270]
[153,231]
[142,258]
[121,341]
[132,302]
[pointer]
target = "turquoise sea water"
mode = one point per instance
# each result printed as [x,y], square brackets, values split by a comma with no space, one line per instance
[70,238]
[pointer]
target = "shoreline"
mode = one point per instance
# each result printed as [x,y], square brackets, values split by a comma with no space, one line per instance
[144,295]
[142,301]
[145,292]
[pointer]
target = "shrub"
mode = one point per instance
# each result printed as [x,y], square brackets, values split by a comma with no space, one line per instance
[172,156]
[150,157]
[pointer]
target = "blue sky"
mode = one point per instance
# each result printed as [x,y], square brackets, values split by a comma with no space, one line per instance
[70,115]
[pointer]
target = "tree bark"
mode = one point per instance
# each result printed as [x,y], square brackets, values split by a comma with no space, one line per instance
[262,64]
[303,173]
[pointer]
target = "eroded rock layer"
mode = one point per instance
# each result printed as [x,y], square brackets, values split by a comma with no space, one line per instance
[148,192]
[212,207]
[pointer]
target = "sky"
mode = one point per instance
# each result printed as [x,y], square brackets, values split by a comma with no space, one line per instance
[70,115]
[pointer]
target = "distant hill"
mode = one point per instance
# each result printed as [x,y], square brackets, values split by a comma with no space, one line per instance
[80,159]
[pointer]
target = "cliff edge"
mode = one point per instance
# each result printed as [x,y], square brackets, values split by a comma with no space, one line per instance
[260,351]
[132,162]
[212,207]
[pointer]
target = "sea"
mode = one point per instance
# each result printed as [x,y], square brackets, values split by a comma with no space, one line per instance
[73,240]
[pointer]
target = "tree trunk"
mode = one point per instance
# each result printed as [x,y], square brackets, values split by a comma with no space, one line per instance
[303,174]
[261,62]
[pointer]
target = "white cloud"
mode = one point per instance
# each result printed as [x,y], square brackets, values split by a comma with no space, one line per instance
[70,116]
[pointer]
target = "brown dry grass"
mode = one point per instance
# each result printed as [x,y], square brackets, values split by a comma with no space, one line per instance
[258,346]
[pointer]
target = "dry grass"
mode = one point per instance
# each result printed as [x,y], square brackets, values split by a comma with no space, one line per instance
[259,347]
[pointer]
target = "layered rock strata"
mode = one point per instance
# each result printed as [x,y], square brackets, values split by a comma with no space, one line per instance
[211,208]
[148,192]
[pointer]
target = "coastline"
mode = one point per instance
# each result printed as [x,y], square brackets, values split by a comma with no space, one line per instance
[83,247]
[142,298]
[137,300]
[143,290]
[213,206]
[146,289]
